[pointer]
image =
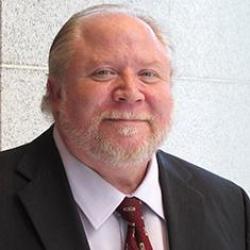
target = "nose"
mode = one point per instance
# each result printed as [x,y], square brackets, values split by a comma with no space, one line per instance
[127,91]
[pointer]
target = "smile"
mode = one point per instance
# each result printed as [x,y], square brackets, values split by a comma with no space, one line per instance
[125,121]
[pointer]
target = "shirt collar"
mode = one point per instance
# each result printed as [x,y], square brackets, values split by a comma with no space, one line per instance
[150,191]
[97,198]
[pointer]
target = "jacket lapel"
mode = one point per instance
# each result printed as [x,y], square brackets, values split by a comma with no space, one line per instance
[47,197]
[183,205]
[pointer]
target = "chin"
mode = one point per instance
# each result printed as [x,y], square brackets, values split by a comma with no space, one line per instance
[124,151]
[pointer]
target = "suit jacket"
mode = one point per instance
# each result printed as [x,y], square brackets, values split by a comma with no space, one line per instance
[37,209]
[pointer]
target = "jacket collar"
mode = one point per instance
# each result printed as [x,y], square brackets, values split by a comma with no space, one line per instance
[47,198]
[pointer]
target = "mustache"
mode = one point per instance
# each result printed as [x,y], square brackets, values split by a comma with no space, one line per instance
[121,115]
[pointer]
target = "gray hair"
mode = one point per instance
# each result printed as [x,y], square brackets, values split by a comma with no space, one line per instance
[61,50]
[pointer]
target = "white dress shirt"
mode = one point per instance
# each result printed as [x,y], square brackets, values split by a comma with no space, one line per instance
[97,201]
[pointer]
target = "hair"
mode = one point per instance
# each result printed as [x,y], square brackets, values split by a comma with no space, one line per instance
[61,50]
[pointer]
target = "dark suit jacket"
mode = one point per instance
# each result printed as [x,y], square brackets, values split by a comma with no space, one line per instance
[37,210]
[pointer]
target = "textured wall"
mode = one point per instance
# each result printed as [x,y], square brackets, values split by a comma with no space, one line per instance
[212,86]
[212,78]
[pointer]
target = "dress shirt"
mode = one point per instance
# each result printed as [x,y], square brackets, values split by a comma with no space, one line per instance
[97,201]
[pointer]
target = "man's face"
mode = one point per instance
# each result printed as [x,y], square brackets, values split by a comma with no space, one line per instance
[116,102]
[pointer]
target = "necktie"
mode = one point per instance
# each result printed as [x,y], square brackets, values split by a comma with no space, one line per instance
[137,239]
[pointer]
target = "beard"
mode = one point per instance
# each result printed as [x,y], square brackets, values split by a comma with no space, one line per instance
[94,143]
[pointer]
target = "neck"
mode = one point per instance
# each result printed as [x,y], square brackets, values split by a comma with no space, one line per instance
[126,178]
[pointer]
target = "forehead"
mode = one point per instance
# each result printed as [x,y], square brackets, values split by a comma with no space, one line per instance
[119,25]
[117,41]
[114,32]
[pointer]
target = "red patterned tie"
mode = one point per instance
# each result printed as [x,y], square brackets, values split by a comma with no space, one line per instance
[137,239]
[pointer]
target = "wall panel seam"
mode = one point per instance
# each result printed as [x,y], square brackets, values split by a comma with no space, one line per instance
[28,67]
[212,80]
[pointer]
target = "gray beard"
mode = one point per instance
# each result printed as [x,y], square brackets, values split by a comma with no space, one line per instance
[96,145]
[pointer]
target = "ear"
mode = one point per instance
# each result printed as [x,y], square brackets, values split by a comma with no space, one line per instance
[54,90]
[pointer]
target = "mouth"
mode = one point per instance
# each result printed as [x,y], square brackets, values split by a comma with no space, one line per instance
[124,120]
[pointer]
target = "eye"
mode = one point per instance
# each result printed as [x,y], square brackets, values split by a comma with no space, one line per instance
[103,74]
[149,76]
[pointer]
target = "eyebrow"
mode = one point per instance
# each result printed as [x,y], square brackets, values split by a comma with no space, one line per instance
[141,62]
[153,63]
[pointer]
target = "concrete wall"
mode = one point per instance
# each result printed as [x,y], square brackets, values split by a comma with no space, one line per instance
[212,80]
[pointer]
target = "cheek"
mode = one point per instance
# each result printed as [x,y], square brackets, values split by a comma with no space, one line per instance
[91,94]
[80,98]
[162,103]
[86,107]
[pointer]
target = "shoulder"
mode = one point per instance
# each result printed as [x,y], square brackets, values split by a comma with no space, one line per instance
[225,204]
[12,155]
[26,155]
[207,183]
[9,161]
[10,158]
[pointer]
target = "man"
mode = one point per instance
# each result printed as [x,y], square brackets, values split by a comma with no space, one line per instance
[95,179]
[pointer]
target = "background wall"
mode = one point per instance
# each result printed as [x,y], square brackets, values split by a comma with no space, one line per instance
[211,85]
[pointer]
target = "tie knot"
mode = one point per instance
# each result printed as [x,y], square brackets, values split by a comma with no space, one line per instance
[130,209]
